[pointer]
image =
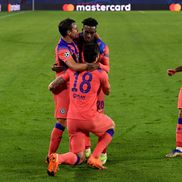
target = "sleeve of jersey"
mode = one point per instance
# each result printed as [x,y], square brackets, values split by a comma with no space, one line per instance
[104,60]
[105,81]
[64,54]
[104,55]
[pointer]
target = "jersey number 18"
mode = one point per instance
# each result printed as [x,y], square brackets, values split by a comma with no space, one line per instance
[85,85]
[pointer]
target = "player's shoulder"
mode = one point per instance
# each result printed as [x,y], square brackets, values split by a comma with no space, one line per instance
[99,41]
[62,45]
[62,48]
[102,46]
[100,72]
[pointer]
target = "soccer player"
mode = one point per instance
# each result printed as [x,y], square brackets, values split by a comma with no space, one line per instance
[83,116]
[178,151]
[67,56]
[87,36]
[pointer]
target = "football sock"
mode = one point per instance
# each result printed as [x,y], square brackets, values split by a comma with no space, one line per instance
[103,143]
[55,139]
[87,142]
[179,133]
[179,148]
[105,150]
[68,158]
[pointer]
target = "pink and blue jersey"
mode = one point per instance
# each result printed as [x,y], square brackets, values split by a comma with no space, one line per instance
[84,89]
[64,52]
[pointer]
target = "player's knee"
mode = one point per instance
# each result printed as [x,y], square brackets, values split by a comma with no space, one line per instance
[80,158]
[110,132]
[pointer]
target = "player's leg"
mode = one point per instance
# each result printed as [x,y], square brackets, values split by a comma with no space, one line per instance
[105,130]
[77,138]
[61,101]
[100,108]
[179,134]
[103,156]
[74,157]
[56,136]
[178,151]
[68,158]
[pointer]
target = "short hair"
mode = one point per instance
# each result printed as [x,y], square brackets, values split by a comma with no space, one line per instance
[90,52]
[90,22]
[65,25]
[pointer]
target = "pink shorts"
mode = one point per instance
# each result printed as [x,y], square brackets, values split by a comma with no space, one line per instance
[180,99]
[61,101]
[79,129]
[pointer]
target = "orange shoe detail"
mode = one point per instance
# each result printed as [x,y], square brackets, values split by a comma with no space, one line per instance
[96,163]
[53,165]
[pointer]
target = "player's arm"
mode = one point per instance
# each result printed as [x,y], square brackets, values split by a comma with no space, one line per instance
[55,85]
[173,71]
[67,58]
[104,55]
[104,60]
[81,66]
[105,85]
[57,68]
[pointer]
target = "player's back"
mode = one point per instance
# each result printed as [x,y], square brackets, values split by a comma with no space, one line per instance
[84,89]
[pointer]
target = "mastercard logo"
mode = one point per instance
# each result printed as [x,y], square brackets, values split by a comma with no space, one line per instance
[175,7]
[68,7]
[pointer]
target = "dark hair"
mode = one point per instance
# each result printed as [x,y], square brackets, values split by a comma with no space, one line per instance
[65,25]
[90,52]
[90,22]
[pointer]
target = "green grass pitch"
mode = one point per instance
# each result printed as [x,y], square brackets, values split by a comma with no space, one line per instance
[143,45]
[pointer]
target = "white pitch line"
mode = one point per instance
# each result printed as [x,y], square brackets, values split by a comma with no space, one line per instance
[9,15]
[141,11]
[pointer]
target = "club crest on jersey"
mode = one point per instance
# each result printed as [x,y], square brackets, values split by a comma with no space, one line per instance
[67,54]
[62,111]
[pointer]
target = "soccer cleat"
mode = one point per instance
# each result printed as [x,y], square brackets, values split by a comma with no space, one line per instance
[96,163]
[53,165]
[174,153]
[87,152]
[47,160]
[103,158]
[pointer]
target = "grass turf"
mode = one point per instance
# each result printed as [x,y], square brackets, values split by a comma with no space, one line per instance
[143,45]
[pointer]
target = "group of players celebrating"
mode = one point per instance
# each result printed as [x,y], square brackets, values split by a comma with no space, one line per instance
[82,66]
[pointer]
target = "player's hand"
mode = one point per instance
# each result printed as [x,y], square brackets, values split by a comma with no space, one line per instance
[57,68]
[57,86]
[171,72]
[92,66]
[51,86]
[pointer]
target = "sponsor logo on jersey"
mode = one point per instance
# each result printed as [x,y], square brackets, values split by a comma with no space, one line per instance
[62,111]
